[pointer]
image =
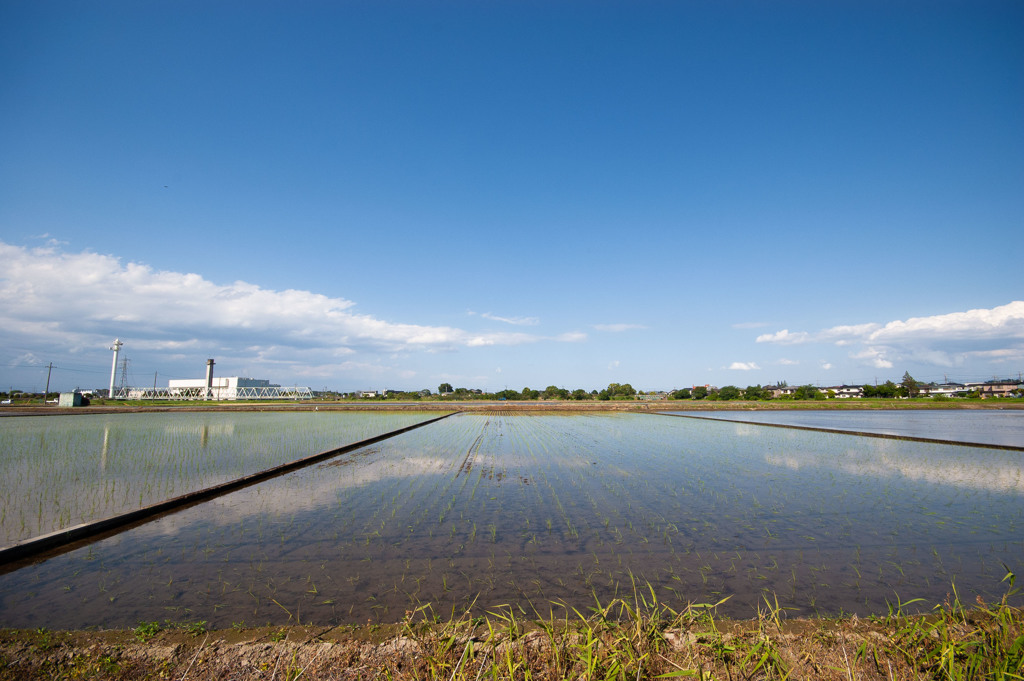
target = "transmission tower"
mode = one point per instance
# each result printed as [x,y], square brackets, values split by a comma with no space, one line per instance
[124,372]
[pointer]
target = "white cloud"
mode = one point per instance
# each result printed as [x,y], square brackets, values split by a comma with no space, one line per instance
[1014,354]
[614,364]
[941,340]
[826,365]
[84,299]
[1006,321]
[516,321]
[744,366]
[26,358]
[616,328]
[788,362]
[874,357]
[784,337]
[842,335]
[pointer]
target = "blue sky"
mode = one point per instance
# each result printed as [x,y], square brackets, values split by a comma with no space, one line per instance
[508,194]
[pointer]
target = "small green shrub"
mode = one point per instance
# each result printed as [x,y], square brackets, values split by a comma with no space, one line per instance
[146,630]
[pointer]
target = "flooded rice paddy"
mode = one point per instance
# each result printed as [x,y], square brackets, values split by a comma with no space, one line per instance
[541,511]
[988,426]
[59,471]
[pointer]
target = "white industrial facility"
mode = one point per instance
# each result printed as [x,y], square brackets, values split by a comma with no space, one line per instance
[210,388]
[225,388]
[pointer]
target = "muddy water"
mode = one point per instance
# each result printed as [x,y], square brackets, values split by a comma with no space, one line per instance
[542,511]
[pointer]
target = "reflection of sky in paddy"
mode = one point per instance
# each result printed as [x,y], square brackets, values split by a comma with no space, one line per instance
[981,473]
[936,464]
[60,471]
[530,509]
[982,426]
[315,492]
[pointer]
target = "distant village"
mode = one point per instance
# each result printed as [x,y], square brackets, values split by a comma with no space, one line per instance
[240,388]
[244,389]
[907,388]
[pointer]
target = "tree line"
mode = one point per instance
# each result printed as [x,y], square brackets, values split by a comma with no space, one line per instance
[614,391]
[751,392]
[908,387]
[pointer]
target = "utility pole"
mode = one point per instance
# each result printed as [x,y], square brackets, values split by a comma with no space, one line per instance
[46,392]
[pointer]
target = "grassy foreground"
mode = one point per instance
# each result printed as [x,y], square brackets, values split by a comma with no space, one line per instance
[637,638]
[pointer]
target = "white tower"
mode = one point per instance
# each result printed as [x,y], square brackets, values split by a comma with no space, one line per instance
[209,379]
[116,347]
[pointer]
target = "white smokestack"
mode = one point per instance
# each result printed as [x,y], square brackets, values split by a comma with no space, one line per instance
[209,379]
[116,347]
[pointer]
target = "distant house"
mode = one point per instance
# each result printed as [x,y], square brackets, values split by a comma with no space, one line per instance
[996,388]
[847,391]
[943,390]
[369,393]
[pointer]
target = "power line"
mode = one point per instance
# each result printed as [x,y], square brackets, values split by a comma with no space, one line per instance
[55,366]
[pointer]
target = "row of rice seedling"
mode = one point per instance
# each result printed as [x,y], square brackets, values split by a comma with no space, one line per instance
[375,514]
[670,502]
[534,509]
[59,471]
[992,426]
[649,497]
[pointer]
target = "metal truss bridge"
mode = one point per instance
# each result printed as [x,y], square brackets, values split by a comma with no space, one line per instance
[193,394]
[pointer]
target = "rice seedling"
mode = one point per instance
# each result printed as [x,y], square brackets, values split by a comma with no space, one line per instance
[75,470]
[605,490]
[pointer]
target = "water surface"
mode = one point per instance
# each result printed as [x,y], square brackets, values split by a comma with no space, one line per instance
[535,511]
[988,426]
[59,471]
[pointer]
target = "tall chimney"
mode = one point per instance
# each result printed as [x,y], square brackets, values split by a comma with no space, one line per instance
[116,347]
[209,379]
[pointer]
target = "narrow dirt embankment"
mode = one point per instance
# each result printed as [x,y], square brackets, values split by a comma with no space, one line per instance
[532,405]
[986,642]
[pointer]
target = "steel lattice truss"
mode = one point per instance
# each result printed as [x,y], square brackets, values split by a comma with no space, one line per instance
[184,394]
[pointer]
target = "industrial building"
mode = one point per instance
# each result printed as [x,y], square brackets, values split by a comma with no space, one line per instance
[211,388]
[227,388]
[224,388]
